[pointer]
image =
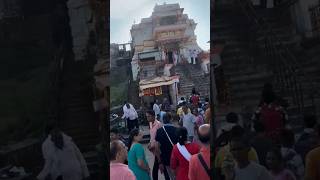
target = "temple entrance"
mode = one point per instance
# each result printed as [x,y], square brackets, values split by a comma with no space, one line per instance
[172,52]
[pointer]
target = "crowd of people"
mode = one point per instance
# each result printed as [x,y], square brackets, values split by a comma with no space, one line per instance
[259,155]
[262,147]
[267,148]
[179,142]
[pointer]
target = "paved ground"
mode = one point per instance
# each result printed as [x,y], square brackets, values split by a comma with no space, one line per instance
[150,159]
[149,155]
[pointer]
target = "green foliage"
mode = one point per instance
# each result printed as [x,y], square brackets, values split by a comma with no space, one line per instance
[119,86]
[118,93]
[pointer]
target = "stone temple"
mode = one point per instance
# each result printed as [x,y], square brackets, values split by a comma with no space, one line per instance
[166,33]
[160,42]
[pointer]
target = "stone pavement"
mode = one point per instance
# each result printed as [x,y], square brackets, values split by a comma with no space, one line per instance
[150,159]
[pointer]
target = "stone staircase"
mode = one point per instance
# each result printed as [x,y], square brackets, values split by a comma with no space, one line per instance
[247,70]
[201,82]
[191,76]
[185,84]
[308,70]
[78,118]
[244,73]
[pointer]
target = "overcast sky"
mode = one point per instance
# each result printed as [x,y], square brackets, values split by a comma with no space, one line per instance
[124,13]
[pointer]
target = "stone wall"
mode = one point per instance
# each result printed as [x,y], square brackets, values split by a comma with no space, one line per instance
[301,15]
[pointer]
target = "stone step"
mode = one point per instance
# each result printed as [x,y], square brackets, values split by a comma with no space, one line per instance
[233,37]
[88,131]
[249,70]
[87,116]
[311,70]
[288,42]
[87,145]
[245,86]
[86,122]
[76,131]
[246,95]
[233,53]
[245,78]
[90,156]
[83,127]
[92,166]
[252,103]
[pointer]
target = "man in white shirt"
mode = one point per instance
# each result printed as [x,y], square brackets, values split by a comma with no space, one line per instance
[194,56]
[131,115]
[190,56]
[189,122]
[243,169]
[156,109]
[175,58]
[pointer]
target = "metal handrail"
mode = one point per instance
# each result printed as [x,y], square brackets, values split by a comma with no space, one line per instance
[286,72]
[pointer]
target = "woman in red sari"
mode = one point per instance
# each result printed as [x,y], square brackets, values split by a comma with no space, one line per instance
[181,154]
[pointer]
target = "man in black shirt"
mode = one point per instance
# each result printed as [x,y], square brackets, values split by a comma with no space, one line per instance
[166,138]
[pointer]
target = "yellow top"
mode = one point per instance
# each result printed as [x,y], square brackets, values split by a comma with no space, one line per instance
[313,165]
[225,152]
[180,111]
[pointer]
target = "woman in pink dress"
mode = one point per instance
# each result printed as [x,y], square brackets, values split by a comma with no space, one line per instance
[199,118]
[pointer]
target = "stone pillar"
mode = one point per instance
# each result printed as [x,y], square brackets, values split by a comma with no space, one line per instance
[81,24]
[173,89]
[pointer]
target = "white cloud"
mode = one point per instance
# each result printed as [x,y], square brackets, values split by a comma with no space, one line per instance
[124,12]
[120,9]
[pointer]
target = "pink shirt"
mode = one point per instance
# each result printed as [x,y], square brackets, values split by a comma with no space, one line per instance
[284,175]
[119,171]
[199,120]
[153,130]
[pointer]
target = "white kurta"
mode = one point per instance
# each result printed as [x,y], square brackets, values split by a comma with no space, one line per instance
[163,56]
[190,56]
[156,109]
[194,56]
[175,58]
[68,162]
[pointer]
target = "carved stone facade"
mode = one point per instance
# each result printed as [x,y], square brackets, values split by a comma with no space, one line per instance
[167,32]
